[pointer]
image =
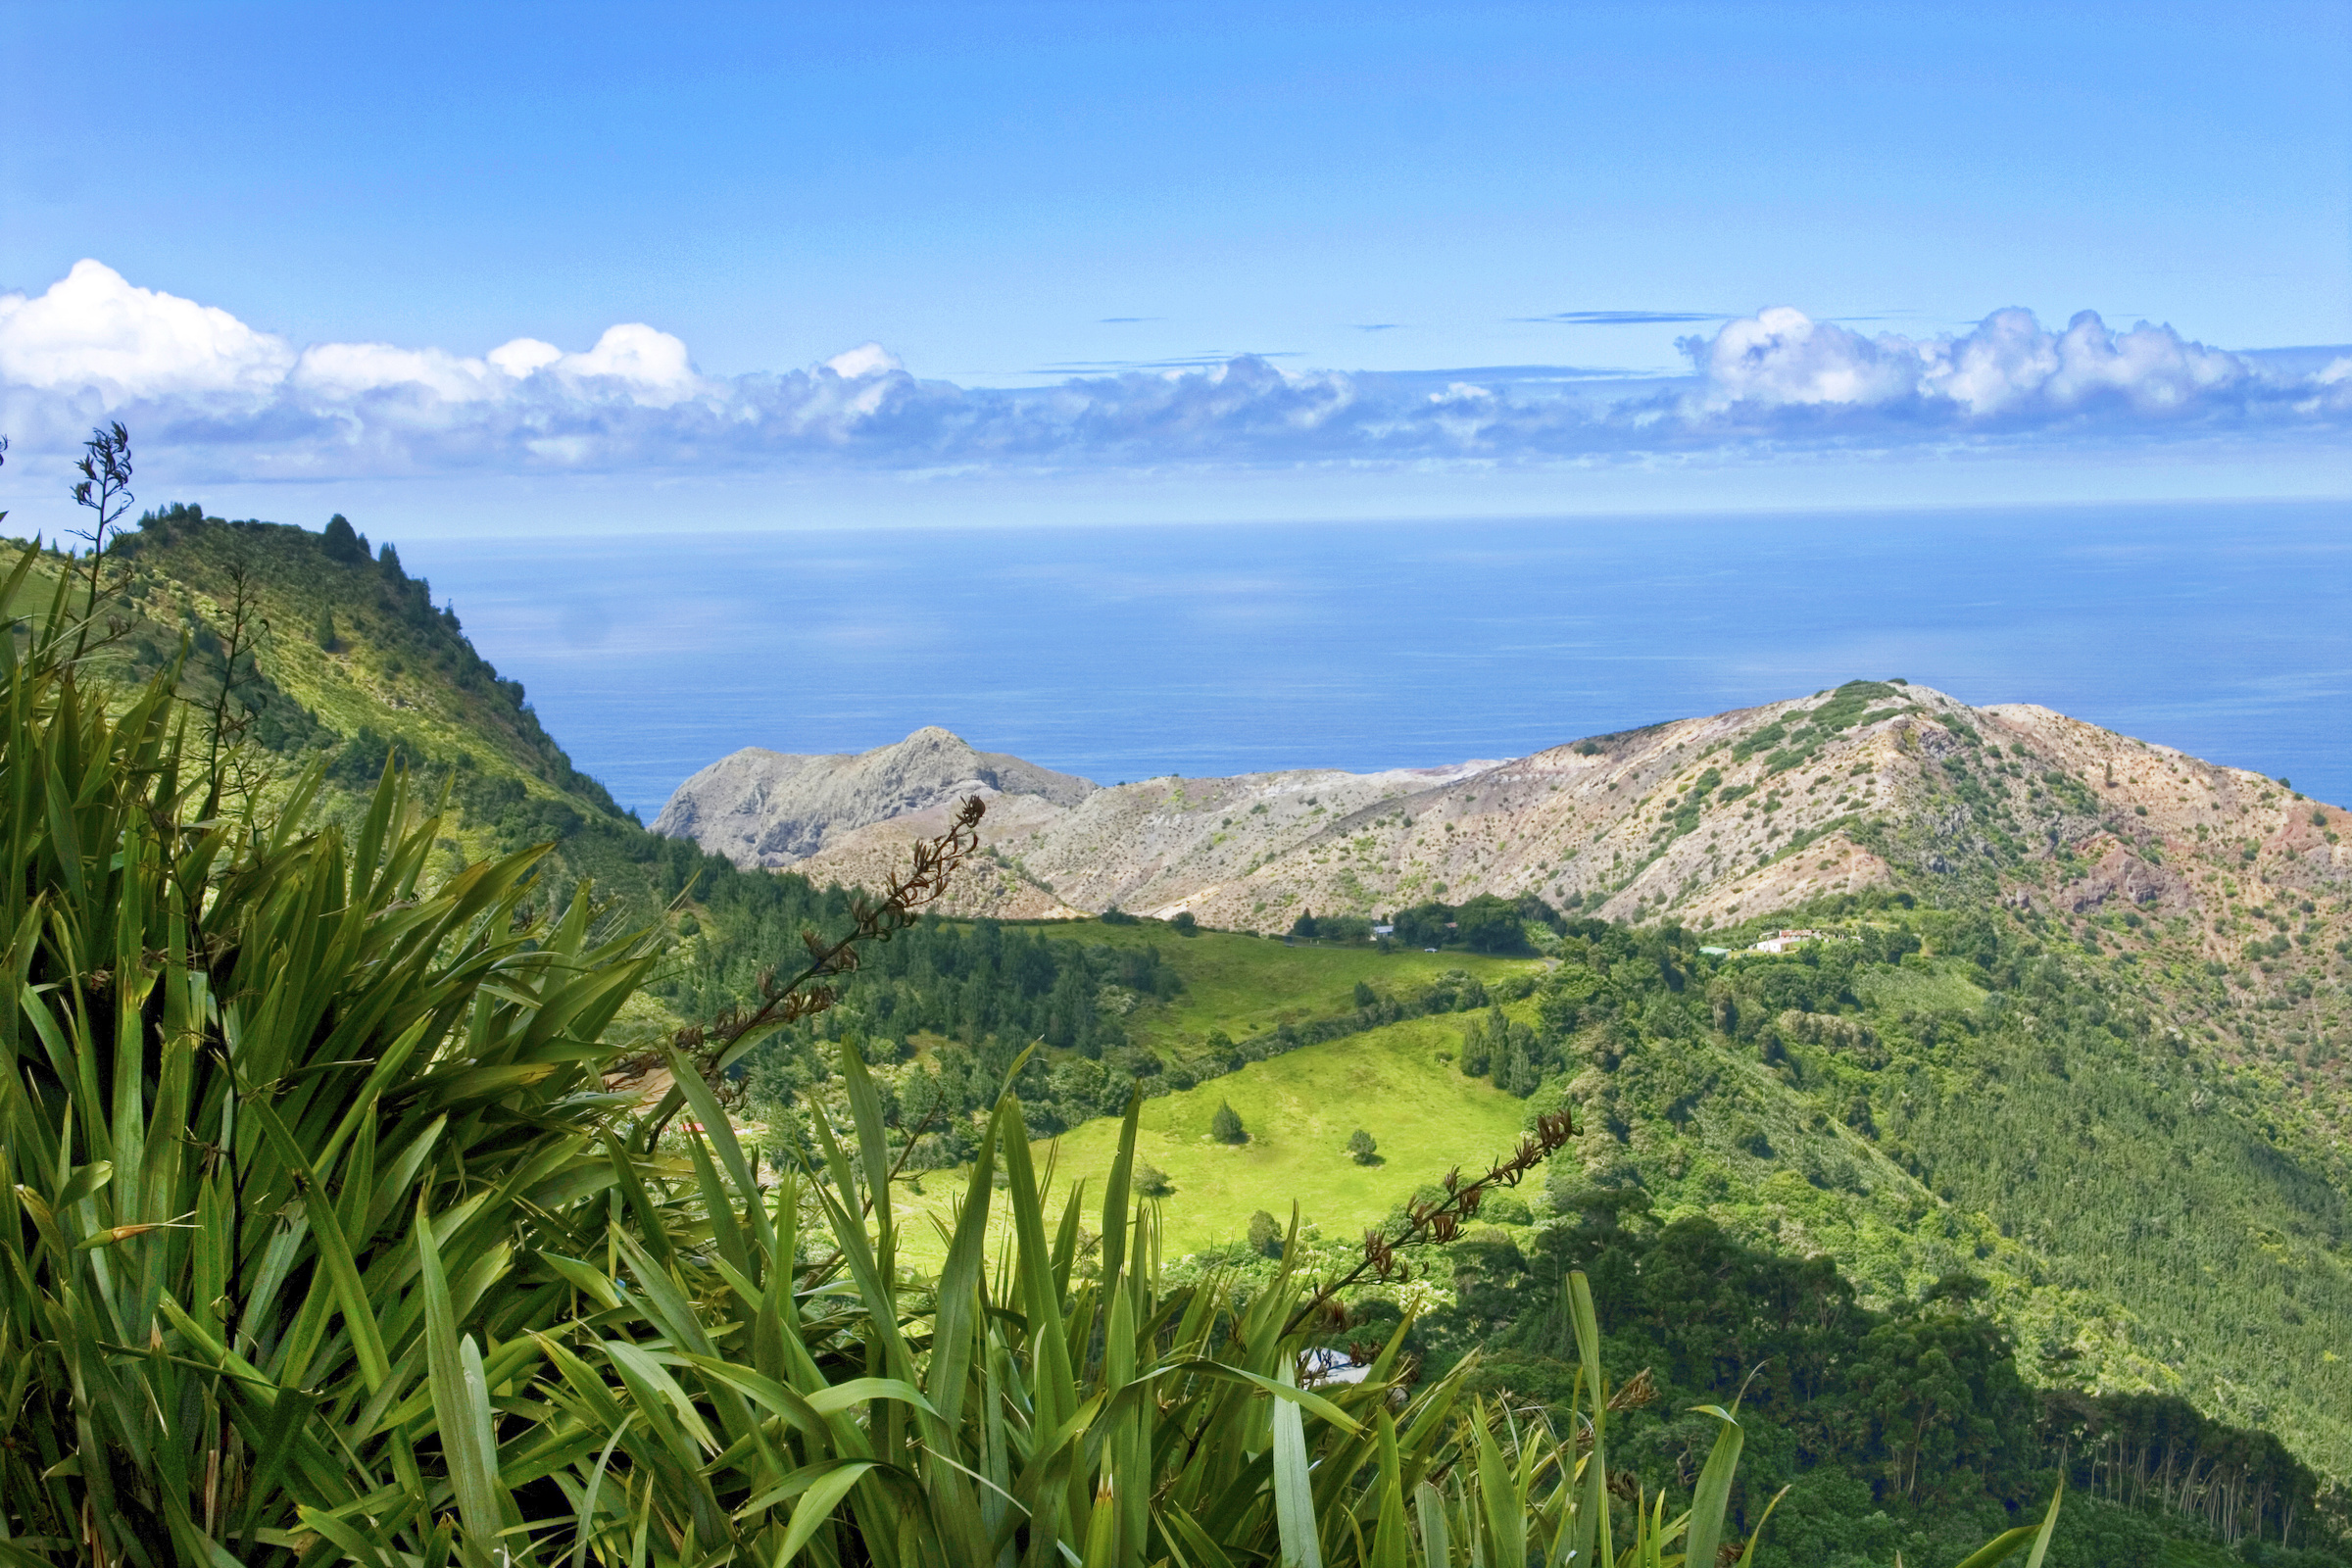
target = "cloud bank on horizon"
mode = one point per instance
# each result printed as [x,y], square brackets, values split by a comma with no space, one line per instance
[248,404]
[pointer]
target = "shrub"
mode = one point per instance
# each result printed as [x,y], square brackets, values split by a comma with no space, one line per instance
[1226,1125]
[1506,1208]
[1361,1149]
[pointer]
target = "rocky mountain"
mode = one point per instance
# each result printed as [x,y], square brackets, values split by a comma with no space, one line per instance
[1709,820]
[769,809]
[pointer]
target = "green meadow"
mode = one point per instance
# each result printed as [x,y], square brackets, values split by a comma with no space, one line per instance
[1247,984]
[1399,1083]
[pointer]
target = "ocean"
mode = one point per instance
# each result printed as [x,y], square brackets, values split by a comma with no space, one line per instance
[2224,629]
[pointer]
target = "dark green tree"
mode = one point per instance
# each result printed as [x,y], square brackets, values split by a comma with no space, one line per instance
[1478,1050]
[342,541]
[324,634]
[1226,1125]
[387,561]
[1153,1182]
[1490,924]
[1361,1149]
[1517,1073]
[1305,926]
[1265,1234]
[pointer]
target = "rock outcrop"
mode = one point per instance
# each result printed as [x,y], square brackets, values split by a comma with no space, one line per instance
[769,808]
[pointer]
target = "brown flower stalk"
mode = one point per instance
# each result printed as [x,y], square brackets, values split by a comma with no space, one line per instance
[1441,1221]
[711,1048]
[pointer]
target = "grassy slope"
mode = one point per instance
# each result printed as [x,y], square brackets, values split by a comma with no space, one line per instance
[1397,1082]
[1245,985]
[400,675]
[409,678]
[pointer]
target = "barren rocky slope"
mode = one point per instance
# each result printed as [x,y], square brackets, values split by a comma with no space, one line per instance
[1709,820]
[769,808]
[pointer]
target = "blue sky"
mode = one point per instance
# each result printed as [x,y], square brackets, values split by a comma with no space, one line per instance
[1063,225]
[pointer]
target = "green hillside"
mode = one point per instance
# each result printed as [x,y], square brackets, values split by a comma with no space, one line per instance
[1979,1133]
[1397,1082]
[306,650]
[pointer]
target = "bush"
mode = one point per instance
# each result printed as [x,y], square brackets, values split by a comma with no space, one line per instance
[1265,1235]
[1506,1208]
[1183,923]
[1226,1125]
[1153,1182]
[1361,1149]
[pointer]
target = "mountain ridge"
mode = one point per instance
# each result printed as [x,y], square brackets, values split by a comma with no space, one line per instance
[1708,821]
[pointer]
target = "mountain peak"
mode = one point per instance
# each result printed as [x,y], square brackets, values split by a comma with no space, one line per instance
[761,807]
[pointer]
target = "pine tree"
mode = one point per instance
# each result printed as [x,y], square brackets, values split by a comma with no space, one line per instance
[1361,1149]
[325,633]
[1477,1050]
[1265,1234]
[342,542]
[1517,1073]
[1226,1125]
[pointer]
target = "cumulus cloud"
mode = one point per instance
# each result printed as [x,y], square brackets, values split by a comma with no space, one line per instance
[92,328]
[2007,367]
[194,376]
[866,358]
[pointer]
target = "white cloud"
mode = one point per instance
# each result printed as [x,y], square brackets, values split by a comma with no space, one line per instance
[92,329]
[2008,366]
[653,366]
[866,358]
[351,369]
[1780,357]
[195,377]
[522,356]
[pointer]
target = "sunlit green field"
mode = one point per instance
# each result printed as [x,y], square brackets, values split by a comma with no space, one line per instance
[1246,985]
[1299,1109]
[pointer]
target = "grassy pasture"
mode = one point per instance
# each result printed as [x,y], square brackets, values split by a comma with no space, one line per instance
[1246,985]
[1939,986]
[1299,1109]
